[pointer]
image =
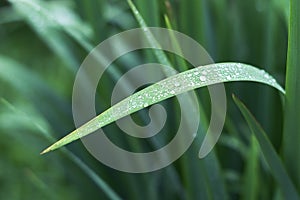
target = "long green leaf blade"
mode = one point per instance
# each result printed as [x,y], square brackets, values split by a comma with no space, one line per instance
[291,136]
[169,87]
[160,55]
[275,164]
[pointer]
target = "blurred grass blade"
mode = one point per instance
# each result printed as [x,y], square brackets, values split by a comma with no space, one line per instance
[48,20]
[150,10]
[51,20]
[21,77]
[90,173]
[191,170]
[7,15]
[291,136]
[163,59]
[47,135]
[46,15]
[160,55]
[28,84]
[196,10]
[212,166]
[275,164]
[252,171]
[169,87]
[182,63]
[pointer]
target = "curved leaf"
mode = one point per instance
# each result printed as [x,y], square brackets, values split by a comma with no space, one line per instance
[169,87]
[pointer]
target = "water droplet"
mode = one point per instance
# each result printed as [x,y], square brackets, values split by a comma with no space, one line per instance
[172,92]
[189,75]
[177,84]
[196,73]
[202,78]
[191,84]
[204,73]
[146,104]
[228,77]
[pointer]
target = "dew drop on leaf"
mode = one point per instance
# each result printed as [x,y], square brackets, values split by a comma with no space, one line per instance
[202,78]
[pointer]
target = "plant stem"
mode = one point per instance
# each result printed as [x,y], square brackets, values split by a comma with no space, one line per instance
[291,139]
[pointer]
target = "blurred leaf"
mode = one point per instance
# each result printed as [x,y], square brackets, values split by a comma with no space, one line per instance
[44,15]
[50,20]
[30,86]
[36,122]
[252,172]
[191,170]
[275,164]
[7,15]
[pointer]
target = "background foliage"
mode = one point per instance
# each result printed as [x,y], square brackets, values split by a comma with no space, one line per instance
[42,46]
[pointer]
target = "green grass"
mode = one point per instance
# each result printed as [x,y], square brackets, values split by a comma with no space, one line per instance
[291,137]
[42,46]
[167,88]
[274,162]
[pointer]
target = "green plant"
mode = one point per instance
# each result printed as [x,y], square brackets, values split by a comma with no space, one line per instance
[291,137]
[42,46]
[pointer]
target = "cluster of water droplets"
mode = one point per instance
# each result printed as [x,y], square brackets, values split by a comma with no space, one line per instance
[189,80]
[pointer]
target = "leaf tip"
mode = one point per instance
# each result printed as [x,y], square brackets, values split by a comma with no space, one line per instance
[234,97]
[46,150]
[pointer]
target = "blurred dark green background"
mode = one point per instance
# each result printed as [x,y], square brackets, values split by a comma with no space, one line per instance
[42,44]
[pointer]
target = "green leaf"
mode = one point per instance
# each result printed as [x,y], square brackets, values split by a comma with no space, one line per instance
[7,15]
[169,87]
[44,16]
[252,171]
[50,21]
[160,55]
[275,164]
[291,136]
[32,121]
[211,163]
[208,166]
